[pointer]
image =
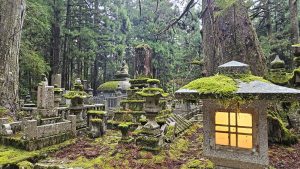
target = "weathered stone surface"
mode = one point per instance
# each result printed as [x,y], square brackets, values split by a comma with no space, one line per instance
[45,96]
[56,80]
[254,158]
[72,118]
[30,129]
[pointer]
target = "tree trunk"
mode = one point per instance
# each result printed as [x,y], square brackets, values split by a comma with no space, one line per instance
[294,21]
[11,22]
[65,79]
[268,17]
[55,40]
[229,35]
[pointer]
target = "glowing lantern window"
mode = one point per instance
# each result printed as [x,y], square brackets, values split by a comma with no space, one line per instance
[233,129]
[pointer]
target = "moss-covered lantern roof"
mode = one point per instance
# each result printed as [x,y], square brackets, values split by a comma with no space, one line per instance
[235,80]
[122,80]
[152,90]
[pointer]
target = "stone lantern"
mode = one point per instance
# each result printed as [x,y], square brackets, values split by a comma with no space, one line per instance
[77,94]
[235,115]
[277,74]
[150,136]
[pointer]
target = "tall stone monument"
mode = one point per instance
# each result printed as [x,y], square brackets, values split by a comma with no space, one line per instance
[143,57]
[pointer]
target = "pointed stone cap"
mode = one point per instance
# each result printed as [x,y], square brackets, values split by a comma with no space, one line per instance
[277,63]
[234,67]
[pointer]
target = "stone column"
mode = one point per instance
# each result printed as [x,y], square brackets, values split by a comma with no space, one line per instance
[72,118]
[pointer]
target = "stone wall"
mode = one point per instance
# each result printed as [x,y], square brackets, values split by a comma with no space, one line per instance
[32,131]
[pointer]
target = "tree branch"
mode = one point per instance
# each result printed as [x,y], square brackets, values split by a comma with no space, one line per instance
[187,8]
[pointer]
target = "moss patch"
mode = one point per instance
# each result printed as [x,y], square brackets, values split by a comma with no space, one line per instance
[76,94]
[10,155]
[278,133]
[25,165]
[150,92]
[125,124]
[96,112]
[249,78]
[143,46]
[109,86]
[153,81]
[221,85]
[96,120]
[218,84]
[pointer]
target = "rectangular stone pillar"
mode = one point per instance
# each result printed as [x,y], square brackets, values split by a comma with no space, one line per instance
[72,118]
[30,129]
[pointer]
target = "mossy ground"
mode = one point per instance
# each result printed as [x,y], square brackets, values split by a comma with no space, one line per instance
[105,152]
[10,155]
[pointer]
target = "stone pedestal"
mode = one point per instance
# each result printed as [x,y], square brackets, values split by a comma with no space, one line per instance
[72,118]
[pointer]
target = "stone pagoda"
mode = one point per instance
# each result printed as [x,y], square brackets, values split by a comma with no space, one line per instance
[77,96]
[277,74]
[151,134]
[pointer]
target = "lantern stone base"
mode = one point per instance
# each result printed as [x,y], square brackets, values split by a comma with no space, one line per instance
[149,143]
[221,163]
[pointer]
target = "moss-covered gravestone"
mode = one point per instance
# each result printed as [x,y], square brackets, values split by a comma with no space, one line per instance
[151,134]
[235,115]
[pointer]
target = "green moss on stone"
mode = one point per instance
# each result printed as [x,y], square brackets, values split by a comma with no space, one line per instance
[286,136]
[170,132]
[76,94]
[218,84]
[25,165]
[132,101]
[249,78]
[150,92]
[125,124]
[221,85]
[109,86]
[153,81]
[96,112]
[96,120]
[58,90]
[143,46]
[139,80]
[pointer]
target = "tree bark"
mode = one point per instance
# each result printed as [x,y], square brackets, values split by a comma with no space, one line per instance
[294,21]
[229,35]
[11,22]
[65,72]
[55,40]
